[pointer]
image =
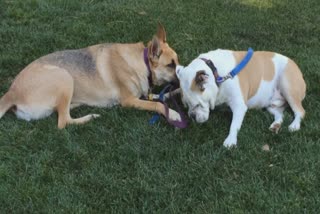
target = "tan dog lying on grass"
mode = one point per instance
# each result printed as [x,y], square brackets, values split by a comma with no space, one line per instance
[101,75]
[269,80]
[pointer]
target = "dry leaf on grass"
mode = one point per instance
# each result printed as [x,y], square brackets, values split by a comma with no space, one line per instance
[142,13]
[266,147]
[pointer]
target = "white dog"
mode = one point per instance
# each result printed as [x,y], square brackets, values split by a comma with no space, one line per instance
[269,80]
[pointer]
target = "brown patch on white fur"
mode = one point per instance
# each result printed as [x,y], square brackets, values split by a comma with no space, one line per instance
[198,81]
[260,67]
[194,86]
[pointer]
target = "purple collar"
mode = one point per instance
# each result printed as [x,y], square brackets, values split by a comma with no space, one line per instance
[146,61]
[213,69]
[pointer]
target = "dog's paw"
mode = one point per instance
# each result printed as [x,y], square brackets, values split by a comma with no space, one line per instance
[230,142]
[155,97]
[95,116]
[173,115]
[294,126]
[275,127]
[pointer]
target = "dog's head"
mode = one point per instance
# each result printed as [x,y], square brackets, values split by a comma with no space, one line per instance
[163,59]
[198,89]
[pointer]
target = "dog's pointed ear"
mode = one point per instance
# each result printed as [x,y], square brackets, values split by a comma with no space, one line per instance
[154,48]
[161,33]
[200,79]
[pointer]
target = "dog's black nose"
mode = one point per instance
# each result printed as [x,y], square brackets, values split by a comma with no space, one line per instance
[193,116]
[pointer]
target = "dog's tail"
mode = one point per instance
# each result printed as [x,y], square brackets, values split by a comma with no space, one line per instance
[6,102]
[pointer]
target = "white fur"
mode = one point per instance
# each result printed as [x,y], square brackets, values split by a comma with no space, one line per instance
[229,92]
[32,113]
[267,90]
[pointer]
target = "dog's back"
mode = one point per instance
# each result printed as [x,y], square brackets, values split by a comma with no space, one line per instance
[100,75]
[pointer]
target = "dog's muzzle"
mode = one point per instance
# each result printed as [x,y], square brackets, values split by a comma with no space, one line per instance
[193,116]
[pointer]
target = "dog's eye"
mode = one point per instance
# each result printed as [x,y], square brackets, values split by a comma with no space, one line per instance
[196,106]
[172,65]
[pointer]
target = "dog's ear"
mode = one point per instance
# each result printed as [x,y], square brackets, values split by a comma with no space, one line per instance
[200,79]
[154,48]
[161,33]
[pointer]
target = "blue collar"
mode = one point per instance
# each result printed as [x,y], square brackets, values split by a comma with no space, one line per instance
[234,71]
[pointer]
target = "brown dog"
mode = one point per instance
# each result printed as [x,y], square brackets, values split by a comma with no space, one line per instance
[101,75]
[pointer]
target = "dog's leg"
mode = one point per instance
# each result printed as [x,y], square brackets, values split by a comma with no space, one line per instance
[298,116]
[64,104]
[75,105]
[277,112]
[63,109]
[295,103]
[150,106]
[239,109]
[167,95]
[5,103]
[293,89]
[63,100]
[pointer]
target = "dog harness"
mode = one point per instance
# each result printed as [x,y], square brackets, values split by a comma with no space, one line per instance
[155,117]
[234,71]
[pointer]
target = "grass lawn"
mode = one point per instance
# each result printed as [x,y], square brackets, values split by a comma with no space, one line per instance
[120,164]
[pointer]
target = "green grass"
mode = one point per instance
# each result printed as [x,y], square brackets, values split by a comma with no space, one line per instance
[120,164]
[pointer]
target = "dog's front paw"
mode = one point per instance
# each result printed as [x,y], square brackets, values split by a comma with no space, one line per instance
[275,127]
[173,115]
[230,142]
[154,97]
[93,116]
[294,126]
[157,96]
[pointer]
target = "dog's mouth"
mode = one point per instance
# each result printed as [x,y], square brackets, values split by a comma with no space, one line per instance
[197,115]
[163,77]
[198,118]
[175,82]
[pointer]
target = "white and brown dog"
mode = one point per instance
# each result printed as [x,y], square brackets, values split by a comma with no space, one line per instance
[101,75]
[269,80]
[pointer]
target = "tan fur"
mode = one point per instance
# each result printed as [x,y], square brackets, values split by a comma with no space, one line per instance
[294,87]
[100,75]
[260,67]
[194,87]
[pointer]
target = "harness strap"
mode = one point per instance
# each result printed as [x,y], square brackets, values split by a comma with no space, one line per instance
[242,64]
[179,124]
[234,71]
